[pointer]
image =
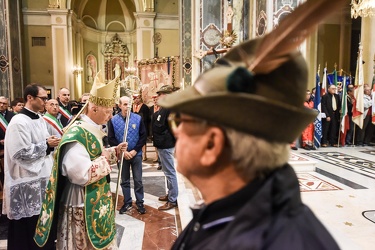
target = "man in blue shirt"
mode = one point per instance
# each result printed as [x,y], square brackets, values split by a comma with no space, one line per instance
[136,138]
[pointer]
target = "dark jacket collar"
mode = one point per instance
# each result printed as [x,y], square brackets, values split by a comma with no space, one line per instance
[29,113]
[256,203]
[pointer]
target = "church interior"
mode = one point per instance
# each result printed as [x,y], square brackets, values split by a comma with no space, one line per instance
[151,43]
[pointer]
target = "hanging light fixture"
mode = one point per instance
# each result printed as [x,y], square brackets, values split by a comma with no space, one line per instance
[363,8]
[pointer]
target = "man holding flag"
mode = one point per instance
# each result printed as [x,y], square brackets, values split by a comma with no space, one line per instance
[350,99]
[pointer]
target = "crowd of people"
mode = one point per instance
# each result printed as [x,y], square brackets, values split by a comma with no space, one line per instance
[221,130]
[332,115]
[47,144]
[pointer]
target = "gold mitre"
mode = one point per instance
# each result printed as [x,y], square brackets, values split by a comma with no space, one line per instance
[102,94]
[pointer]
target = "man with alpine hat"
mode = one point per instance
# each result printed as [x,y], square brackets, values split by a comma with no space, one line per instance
[233,129]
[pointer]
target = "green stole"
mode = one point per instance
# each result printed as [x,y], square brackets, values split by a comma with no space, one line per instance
[99,207]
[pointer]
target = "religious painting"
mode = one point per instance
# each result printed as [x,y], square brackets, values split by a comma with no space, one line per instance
[157,72]
[91,68]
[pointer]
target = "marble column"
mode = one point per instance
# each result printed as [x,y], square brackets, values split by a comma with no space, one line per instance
[11,77]
[145,32]
[367,40]
[61,50]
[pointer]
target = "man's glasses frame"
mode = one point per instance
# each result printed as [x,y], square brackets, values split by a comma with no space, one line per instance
[43,98]
[175,119]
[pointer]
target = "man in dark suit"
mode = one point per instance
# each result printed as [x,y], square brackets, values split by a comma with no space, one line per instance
[65,108]
[6,117]
[331,107]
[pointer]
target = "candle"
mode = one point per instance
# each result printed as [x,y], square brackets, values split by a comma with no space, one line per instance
[169,65]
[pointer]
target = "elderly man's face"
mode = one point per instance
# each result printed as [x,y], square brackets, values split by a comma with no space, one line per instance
[52,107]
[198,146]
[332,89]
[3,104]
[124,102]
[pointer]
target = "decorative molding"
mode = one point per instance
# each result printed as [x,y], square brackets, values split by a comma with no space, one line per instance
[4,63]
[37,18]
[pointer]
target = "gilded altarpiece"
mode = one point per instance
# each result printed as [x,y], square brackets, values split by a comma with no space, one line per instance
[157,72]
[116,56]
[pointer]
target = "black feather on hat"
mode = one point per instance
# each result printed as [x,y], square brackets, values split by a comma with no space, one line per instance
[259,86]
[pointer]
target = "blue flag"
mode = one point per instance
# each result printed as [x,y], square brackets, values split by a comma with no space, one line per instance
[318,119]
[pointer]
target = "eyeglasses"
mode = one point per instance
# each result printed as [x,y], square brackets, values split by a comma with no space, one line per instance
[43,98]
[175,119]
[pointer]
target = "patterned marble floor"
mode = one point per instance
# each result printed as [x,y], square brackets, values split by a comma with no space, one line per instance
[336,183]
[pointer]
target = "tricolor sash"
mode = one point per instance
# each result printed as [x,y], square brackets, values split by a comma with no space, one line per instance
[65,113]
[3,123]
[56,124]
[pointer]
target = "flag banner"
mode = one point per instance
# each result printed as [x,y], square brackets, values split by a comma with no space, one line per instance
[340,79]
[358,108]
[344,115]
[318,118]
[324,83]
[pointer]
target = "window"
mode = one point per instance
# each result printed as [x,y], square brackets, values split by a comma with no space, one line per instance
[38,41]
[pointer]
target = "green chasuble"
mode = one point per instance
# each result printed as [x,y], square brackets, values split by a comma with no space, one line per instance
[99,207]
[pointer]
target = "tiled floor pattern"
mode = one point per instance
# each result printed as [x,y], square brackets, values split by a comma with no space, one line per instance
[337,185]
[309,182]
[349,162]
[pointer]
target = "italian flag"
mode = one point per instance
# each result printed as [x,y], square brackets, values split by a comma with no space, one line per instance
[344,114]
[358,108]
[3,123]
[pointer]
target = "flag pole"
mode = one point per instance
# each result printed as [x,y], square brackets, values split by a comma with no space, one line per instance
[123,153]
[128,92]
